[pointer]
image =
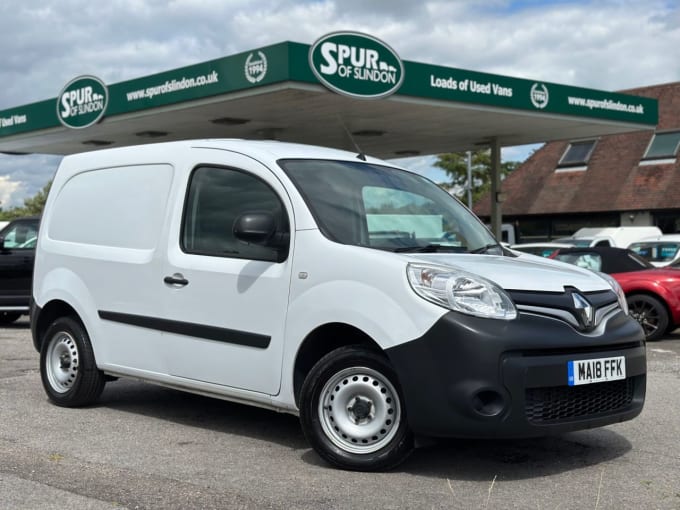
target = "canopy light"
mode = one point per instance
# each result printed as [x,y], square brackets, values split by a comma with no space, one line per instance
[368,132]
[230,121]
[151,134]
[97,143]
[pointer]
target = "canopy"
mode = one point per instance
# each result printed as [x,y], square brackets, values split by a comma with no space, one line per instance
[345,91]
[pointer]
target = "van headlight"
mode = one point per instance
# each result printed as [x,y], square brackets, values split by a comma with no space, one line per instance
[460,291]
[621,296]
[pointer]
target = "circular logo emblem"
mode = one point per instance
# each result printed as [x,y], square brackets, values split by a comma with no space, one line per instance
[82,102]
[356,65]
[539,95]
[256,67]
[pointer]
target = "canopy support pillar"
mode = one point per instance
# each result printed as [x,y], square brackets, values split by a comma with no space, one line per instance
[496,194]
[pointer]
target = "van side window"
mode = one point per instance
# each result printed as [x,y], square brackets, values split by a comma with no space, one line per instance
[216,197]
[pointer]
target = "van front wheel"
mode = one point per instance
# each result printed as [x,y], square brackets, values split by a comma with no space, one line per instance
[352,411]
[67,367]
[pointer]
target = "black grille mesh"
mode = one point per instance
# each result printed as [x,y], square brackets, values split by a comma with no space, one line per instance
[564,403]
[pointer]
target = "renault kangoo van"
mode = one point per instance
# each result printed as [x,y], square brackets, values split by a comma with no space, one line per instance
[357,295]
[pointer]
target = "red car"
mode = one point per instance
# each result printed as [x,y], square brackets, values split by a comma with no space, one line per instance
[653,294]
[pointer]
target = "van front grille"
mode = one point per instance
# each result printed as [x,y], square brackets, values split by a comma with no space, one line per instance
[557,404]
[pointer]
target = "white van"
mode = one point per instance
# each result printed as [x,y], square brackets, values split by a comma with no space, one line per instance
[249,271]
[618,237]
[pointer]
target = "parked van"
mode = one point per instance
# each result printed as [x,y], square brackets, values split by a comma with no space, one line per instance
[250,271]
[617,237]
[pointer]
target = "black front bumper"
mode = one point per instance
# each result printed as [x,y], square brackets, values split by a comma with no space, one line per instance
[474,377]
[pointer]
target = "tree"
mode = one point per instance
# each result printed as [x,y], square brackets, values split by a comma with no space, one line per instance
[33,206]
[455,166]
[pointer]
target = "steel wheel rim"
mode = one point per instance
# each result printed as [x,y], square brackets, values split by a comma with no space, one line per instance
[61,362]
[647,315]
[359,410]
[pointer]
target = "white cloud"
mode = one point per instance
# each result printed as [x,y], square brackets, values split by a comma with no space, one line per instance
[604,44]
[7,189]
[609,44]
[424,166]
[24,176]
[519,152]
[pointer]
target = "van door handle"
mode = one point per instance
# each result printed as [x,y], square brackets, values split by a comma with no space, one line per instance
[176,279]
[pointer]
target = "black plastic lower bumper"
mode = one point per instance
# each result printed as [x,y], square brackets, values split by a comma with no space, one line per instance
[474,377]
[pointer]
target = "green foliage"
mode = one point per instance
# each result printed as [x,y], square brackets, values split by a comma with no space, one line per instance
[33,206]
[455,166]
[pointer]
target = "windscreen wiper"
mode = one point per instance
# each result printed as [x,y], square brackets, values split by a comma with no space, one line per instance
[430,248]
[486,248]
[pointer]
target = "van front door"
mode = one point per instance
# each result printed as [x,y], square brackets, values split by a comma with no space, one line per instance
[226,300]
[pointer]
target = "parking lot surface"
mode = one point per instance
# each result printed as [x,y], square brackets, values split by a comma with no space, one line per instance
[144,446]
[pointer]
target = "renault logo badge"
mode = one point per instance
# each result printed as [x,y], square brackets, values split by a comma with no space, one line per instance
[585,312]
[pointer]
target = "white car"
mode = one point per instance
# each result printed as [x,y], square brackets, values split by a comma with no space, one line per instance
[316,282]
[661,251]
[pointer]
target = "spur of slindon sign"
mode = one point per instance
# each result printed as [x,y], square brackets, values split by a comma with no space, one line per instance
[356,65]
[256,67]
[82,102]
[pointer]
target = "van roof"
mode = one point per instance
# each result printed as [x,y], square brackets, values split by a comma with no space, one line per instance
[660,239]
[260,149]
[601,231]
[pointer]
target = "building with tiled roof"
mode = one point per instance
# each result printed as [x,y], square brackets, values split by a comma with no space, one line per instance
[617,180]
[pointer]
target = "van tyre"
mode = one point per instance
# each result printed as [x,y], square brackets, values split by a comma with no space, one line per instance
[353,413]
[67,366]
[650,313]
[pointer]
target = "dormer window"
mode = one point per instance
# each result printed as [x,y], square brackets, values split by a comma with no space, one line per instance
[577,155]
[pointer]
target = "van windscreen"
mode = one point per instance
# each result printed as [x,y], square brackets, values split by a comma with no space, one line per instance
[387,208]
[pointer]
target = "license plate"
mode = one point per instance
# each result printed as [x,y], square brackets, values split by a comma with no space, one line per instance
[589,371]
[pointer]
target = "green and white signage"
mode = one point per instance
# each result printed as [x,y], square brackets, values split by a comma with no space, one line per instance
[82,102]
[349,63]
[356,65]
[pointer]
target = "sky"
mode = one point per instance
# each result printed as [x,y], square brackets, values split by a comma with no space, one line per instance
[602,44]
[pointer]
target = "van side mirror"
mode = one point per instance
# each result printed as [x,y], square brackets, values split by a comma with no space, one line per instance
[2,243]
[255,227]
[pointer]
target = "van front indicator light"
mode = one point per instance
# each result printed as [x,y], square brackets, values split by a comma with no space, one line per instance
[460,291]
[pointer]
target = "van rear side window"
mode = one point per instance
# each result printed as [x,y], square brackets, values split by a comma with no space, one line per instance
[121,207]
